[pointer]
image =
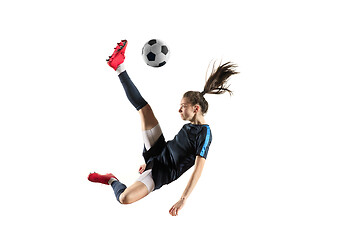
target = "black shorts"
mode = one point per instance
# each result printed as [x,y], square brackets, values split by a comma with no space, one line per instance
[154,151]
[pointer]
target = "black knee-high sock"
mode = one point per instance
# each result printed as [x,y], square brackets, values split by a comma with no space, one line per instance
[119,188]
[131,91]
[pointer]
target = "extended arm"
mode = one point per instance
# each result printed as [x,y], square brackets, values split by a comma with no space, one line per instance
[199,165]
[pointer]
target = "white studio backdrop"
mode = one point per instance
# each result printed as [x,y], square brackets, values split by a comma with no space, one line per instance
[284,161]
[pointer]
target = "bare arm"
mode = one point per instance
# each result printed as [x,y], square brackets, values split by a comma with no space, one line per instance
[199,165]
[142,168]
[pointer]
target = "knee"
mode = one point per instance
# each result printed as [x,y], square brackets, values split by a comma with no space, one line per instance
[124,198]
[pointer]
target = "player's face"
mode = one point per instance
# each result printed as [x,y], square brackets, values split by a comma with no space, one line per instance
[186,110]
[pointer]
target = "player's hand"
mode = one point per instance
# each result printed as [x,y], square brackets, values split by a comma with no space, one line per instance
[142,168]
[174,210]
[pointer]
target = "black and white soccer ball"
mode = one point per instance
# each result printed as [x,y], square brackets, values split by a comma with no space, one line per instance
[155,53]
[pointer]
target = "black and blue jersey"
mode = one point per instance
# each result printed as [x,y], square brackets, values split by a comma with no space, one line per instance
[169,160]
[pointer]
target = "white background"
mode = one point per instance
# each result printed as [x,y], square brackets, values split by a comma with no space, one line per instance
[284,162]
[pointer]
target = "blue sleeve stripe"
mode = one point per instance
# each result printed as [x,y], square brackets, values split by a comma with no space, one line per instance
[206,142]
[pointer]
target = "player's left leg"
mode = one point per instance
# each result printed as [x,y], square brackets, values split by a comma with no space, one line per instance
[126,195]
[108,179]
[133,193]
[123,194]
[145,183]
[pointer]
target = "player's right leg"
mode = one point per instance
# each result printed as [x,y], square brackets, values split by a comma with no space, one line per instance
[116,60]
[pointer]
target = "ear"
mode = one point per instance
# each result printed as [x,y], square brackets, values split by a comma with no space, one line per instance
[196,108]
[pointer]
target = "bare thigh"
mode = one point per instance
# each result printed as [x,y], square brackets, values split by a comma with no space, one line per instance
[134,193]
[139,190]
[148,119]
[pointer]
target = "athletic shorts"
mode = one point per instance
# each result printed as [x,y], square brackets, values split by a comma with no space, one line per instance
[154,151]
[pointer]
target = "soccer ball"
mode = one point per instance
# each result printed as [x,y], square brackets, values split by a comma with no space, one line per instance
[155,53]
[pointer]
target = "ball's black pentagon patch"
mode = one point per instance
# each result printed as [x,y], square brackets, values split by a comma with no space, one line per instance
[164,49]
[151,56]
[162,63]
[152,42]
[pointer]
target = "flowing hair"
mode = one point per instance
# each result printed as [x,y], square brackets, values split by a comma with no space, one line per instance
[216,83]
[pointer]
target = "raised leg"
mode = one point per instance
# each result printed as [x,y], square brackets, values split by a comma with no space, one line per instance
[148,119]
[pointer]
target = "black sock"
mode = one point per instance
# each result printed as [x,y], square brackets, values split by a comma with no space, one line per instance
[119,188]
[131,91]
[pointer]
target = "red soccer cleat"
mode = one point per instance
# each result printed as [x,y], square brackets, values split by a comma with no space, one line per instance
[118,56]
[99,178]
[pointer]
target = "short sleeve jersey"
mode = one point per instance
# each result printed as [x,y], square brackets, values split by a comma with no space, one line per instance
[169,160]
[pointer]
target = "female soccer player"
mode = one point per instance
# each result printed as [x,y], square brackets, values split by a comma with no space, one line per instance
[167,161]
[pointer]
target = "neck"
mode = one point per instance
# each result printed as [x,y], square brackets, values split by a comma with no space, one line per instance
[198,120]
